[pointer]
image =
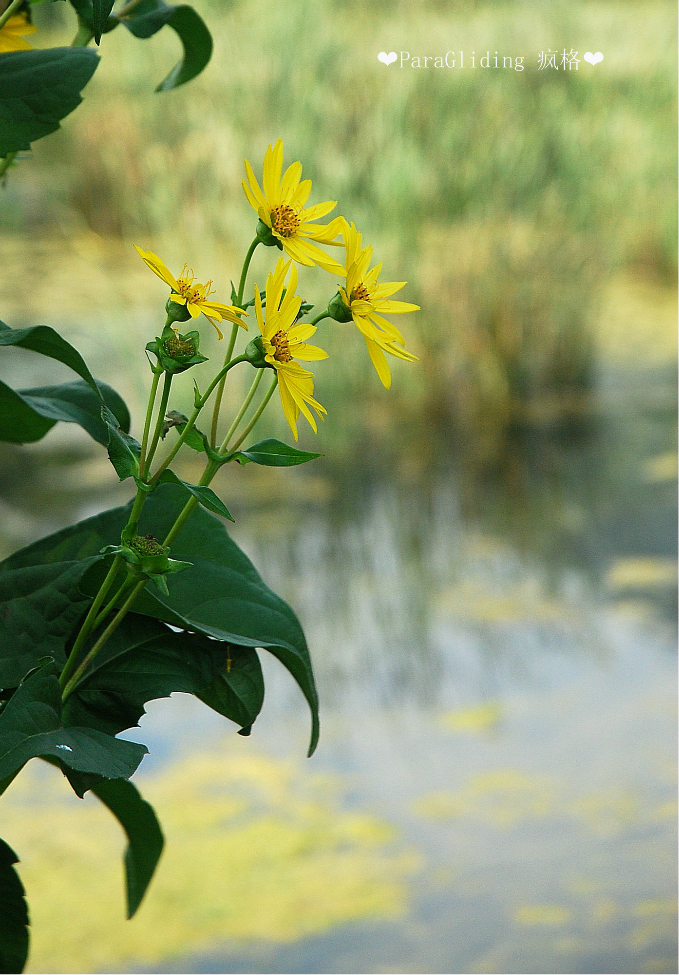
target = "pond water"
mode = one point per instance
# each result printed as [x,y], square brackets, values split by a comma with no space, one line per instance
[495,787]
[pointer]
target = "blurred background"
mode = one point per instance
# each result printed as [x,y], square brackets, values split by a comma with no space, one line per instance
[484,560]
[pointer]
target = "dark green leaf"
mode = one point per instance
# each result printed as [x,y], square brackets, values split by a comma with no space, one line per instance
[150,15]
[30,727]
[37,90]
[14,914]
[203,495]
[123,450]
[42,338]
[194,438]
[100,13]
[142,661]
[238,692]
[39,607]
[273,453]
[145,838]
[27,415]
[221,595]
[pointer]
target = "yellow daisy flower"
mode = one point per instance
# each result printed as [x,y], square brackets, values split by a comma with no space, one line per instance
[11,34]
[187,291]
[283,341]
[366,300]
[281,207]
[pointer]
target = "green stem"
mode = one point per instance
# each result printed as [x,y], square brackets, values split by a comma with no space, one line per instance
[149,414]
[111,603]
[319,318]
[6,163]
[213,467]
[159,425]
[241,413]
[260,409]
[232,341]
[84,34]
[192,419]
[90,620]
[112,626]
[8,11]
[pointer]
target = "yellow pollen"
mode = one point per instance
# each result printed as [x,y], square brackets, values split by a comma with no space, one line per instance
[284,221]
[360,293]
[280,344]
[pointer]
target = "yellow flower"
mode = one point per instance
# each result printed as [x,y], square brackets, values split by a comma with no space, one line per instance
[187,291]
[283,341]
[367,300]
[281,208]
[11,34]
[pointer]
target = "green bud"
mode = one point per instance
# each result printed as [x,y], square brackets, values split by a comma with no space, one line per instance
[338,310]
[147,558]
[176,353]
[254,353]
[176,312]
[265,236]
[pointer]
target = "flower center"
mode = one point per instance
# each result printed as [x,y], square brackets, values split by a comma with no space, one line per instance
[360,293]
[194,293]
[284,221]
[180,348]
[282,347]
[146,545]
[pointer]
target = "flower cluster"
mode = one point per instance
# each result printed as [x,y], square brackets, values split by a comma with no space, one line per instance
[286,222]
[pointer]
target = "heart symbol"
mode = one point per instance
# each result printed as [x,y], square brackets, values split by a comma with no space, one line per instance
[386,58]
[594,58]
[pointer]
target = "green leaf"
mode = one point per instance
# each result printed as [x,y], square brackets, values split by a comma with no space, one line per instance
[142,661]
[144,835]
[203,495]
[150,15]
[37,90]
[39,608]
[100,14]
[194,438]
[221,595]
[42,338]
[273,453]
[238,692]
[14,914]
[26,415]
[123,450]
[30,727]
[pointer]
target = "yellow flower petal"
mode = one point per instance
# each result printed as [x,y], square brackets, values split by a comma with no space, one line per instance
[379,360]
[151,260]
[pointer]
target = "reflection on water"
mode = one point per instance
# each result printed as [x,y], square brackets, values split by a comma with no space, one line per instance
[495,785]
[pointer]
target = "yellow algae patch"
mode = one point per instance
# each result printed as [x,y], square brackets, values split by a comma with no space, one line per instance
[606,813]
[662,467]
[255,849]
[660,908]
[473,600]
[483,717]
[551,915]
[502,798]
[641,573]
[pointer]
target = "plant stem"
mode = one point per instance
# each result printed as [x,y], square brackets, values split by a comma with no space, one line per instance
[112,626]
[90,620]
[84,34]
[8,11]
[6,163]
[260,409]
[111,603]
[149,414]
[159,425]
[192,419]
[241,413]
[232,342]
[319,318]
[213,467]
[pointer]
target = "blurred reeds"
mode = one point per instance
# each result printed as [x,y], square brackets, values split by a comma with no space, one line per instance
[509,200]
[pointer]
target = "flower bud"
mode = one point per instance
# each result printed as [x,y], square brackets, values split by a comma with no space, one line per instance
[338,310]
[265,236]
[176,312]
[176,353]
[254,353]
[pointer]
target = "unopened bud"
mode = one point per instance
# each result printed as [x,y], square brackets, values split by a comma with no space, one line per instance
[266,236]
[176,312]
[338,310]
